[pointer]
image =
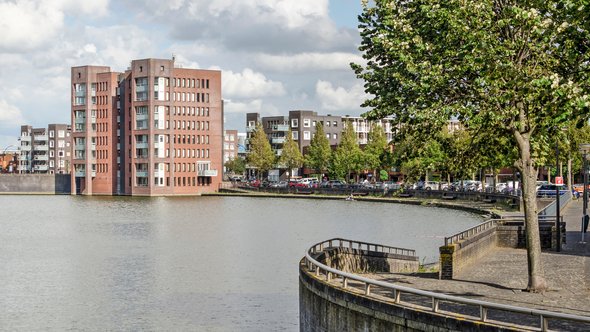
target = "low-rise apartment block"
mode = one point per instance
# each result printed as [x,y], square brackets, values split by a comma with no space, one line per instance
[45,150]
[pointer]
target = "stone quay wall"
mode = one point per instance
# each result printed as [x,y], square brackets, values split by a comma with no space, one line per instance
[456,256]
[364,261]
[35,184]
[325,307]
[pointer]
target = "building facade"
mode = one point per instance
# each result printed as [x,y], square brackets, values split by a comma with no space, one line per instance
[154,130]
[362,127]
[43,150]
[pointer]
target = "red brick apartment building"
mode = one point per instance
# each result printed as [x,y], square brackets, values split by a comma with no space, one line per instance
[155,129]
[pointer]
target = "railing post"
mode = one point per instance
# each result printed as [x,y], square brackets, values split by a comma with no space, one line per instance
[544,323]
[344,282]
[328,276]
[396,296]
[435,302]
[483,313]
[317,271]
[367,289]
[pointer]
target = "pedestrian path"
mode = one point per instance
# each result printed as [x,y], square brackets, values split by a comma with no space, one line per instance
[501,276]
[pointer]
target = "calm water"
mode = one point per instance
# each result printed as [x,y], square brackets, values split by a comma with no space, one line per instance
[182,264]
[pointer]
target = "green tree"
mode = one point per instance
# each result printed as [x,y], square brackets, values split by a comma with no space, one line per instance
[376,149]
[518,69]
[319,151]
[261,155]
[291,157]
[348,156]
[236,165]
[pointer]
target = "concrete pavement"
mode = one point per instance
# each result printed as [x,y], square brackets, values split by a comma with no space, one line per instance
[502,275]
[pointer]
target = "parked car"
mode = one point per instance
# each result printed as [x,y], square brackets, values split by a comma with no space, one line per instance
[549,190]
[390,185]
[430,185]
[293,182]
[579,188]
[333,184]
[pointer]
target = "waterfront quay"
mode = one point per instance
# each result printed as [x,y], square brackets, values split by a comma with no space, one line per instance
[496,279]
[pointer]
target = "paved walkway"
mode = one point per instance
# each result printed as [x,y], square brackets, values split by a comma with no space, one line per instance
[502,275]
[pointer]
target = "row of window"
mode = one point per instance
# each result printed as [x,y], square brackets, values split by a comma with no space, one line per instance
[142,153]
[179,181]
[308,135]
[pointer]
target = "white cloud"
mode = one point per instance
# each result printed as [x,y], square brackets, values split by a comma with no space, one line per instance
[249,84]
[243,107]
[10,115]
[27,24]
[306,62]
[339,98]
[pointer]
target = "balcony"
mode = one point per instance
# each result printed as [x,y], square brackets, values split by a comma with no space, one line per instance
[80,147]
[141,88]
[93,119]
[80,174]
[141,174]
[141,117]
[40,168]
[280,128]
[40,138]
[207,172]
[25,138]
[141,145]
[278,140]
[250,129]
[41,148]
[80,120]
[93,146]
[41,158]
[81,93]
[25,148]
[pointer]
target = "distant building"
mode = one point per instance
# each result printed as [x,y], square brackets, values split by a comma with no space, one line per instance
[230,145]
[45,150]
[154,130]
[362,127]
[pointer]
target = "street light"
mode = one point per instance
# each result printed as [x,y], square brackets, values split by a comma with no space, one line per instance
[585,149]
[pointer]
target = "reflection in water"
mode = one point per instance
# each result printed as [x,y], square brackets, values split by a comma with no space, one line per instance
[183,263]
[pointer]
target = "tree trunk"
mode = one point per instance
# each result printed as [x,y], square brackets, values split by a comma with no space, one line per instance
[529,172]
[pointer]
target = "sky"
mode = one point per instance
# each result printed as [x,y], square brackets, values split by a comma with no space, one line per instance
[275,55]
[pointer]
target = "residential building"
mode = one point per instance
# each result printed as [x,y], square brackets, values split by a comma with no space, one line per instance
[42,150]
[155,129]
[362,127]
[303,125]
[230,146]
[60,154]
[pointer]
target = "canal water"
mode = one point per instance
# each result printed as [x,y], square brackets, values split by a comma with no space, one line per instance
[182,263]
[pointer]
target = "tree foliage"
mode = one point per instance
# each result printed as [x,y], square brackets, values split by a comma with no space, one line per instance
[291,157]
[507,69]
[236,165]
[319,152]
[376,149]
[261,155]
[348,155]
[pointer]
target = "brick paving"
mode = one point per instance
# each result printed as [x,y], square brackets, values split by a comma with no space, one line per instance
[501,276]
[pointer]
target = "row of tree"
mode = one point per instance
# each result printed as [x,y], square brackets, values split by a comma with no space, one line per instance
[340,163]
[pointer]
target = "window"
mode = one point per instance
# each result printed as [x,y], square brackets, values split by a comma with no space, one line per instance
[161,68]
[295,135]
[335,136]
[335,124]
[306,123]
[314,123]
[294,123]
[51,153]
[306,135]
[51,143]
[141,88]
[60,133]
[51,133]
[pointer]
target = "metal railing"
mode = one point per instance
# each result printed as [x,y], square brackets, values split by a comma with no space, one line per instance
[471,231]
[360,245]
[435,298]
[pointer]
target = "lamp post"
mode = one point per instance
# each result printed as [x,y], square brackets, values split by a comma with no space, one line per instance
[557,212]
[585,149]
